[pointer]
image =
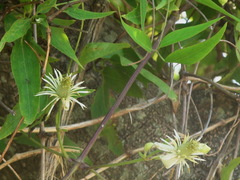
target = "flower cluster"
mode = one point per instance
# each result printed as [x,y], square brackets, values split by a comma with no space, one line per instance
[177,152]
[62,88]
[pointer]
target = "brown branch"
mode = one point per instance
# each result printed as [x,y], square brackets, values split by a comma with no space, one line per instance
[20,156]
[48,51]
[11,139]
[88,123]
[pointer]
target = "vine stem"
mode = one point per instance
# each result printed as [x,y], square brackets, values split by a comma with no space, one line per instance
[79,160]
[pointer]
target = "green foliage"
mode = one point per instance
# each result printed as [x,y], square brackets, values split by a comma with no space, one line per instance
[11,123]
[227,170]
[214,6]
[93,51]
[138,36]
[27,79]
[195,53]
[185,33]
[18,29]
[195,41]
[83,15]
[46,6]
[60,41]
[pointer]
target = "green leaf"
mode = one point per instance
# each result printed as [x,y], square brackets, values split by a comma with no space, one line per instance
[114,143]
[134,16]
[120,74]
[154,79]
[63,22]
[23,139]
[143,12]
[101,103]
[11,123]
[83,15]
[26,72]
[17,30]
[212,5]
[60,41]
[46,6]
[185,33]
[138,36]
[161,4]
[94,51]
[195,53]
[226,171]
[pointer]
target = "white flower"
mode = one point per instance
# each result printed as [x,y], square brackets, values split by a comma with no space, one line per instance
[177,152]
[62,88]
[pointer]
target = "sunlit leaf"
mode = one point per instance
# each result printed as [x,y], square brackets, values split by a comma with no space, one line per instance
[134,16]
[226,171]
[60,41]
[26,72]
[185,33]
[81,14]
[213,5]
[195,53]
[138,36]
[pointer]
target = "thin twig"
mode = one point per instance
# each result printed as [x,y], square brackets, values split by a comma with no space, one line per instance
[214,126]
[11,139]
[136,107]
[230,88]
[13,170]
[48,51]
[50,18]
[234,96]
[117,160]
[209,116]
[7,108]
[80,159]
[20,156]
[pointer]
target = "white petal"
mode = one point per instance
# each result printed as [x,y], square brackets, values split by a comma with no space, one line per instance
[169,160]
[165,147]
[81,104]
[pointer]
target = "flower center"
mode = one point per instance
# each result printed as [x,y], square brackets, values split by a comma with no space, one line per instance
[188,148]
[63,89]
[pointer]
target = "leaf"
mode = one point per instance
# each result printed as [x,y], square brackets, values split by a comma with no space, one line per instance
[120,74]
[212,5]
[143,12]
[83,15]
[17,30]
[63,22]
[11,123]
[60,41]
[138,36]
[114,143]
[46,6]
[134,16]
[195,53]
[226,171]
[94,51]
[161,4]
[101,103]
[154,79]
[26,72]
[185,33]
